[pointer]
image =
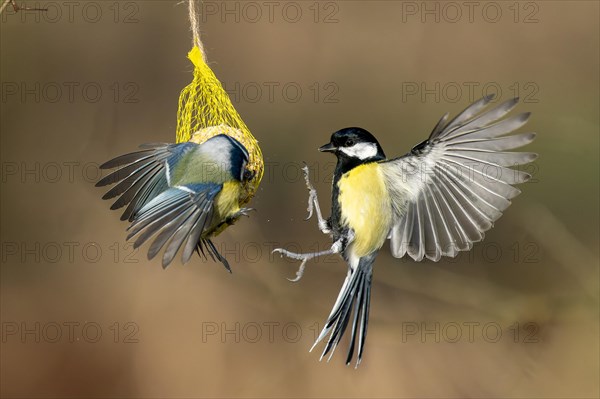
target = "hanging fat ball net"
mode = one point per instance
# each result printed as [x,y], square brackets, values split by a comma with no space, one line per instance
[182,195]
[205,110]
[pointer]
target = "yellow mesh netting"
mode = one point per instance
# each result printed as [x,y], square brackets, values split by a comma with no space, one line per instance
[205,110]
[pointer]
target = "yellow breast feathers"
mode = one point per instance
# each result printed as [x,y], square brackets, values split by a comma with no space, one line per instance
[366,207]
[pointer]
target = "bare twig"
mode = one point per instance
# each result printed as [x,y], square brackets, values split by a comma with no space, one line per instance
[18,8]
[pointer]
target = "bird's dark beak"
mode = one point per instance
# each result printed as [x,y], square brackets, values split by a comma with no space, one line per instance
[329,147]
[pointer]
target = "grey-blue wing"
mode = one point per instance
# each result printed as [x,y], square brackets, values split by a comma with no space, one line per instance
[140,176]
[180,217]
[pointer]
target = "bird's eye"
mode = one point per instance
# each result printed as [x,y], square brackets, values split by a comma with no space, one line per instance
[248,175]
[349,143]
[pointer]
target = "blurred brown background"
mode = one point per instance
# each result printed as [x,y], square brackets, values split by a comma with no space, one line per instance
[85,316]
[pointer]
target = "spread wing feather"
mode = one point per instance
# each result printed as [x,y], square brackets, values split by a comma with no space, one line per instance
[451,188]
[170,192]
[177,217]
[141,175]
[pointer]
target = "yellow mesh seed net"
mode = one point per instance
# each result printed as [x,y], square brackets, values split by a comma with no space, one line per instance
[205,110]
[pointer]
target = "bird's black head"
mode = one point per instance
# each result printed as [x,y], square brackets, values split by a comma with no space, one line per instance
[355,146]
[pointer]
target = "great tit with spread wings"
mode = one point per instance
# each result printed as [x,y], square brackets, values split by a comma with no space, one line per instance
[435,201]
[186,193]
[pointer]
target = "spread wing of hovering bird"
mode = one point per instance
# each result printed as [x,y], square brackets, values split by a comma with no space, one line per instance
[183,194]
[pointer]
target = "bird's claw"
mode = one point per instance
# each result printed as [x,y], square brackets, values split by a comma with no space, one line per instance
[288,254]
[244,212]
[299,273]
[335,248]
[292,255]
[311,203]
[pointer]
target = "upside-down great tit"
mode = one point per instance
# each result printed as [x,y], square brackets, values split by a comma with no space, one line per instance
[435,201]
[186,193]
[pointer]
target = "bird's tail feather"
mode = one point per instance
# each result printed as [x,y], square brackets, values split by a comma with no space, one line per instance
[213,252]
[353,300]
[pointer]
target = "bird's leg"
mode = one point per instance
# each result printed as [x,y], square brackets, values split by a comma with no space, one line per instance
[313,203]
[335,249]
[243,212]
[230,220]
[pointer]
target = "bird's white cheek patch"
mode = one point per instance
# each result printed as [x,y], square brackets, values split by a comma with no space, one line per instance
[361,150]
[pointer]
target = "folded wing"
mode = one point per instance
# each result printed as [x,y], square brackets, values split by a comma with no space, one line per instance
[452,187]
